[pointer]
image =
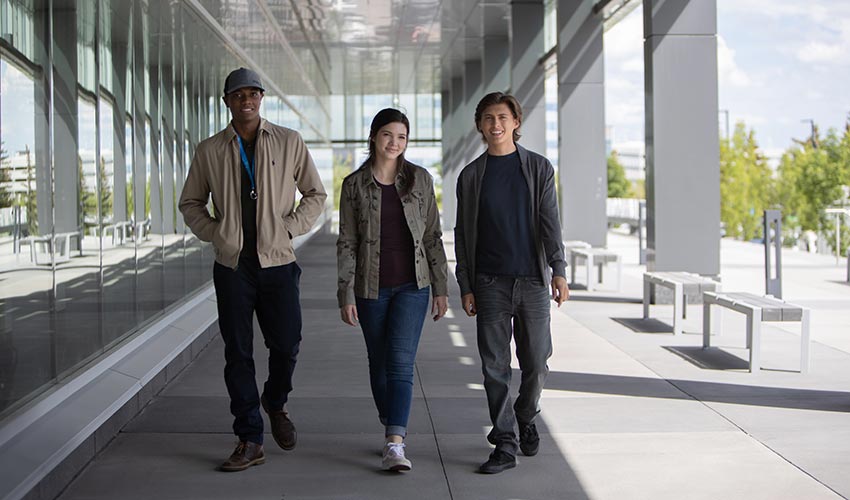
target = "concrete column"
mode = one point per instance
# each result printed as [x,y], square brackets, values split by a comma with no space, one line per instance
[527,75]
[67,213]
[445,131]
[581,120]
[682,151]
[181,160]
[473,90]
[119,122]
[496,67]
[453,135]
[139,112]
[42,153]
[155,145]
[169,197]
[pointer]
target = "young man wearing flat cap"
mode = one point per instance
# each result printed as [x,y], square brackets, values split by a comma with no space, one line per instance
[251,170]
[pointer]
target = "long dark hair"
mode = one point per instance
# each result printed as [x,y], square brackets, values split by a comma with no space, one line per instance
[385,117]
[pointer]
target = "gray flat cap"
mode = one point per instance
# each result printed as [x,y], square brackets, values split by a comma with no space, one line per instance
[241,78]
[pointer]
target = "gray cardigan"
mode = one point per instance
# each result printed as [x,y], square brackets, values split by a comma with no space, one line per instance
[546,224]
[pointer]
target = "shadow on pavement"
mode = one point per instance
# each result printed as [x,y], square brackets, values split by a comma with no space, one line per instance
[714,392]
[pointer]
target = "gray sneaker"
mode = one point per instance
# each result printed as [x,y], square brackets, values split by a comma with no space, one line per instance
[394,457]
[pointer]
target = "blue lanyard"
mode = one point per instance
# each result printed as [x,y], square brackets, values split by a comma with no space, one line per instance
[249,167]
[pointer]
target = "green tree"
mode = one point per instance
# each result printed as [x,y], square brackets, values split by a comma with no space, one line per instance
[745,184]
[811,176]
[341,167]
[618,185]
[129,196]
[438,185]
[105,191]
[5,179]
[30,199]
[88,197]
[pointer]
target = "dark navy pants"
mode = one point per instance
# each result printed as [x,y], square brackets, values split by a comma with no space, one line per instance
[273,293]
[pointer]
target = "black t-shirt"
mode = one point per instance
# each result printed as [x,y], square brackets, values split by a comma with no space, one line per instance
[505,237]
[396,259]
[249,206]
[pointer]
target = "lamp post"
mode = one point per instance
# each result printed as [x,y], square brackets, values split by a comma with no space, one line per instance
[812,125]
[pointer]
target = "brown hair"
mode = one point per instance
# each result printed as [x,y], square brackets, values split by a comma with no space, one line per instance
[499,98]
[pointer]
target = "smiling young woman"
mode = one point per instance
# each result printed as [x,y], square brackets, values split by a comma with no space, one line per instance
[389,222]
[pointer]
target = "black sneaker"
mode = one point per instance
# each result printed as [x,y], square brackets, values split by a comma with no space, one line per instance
[529,440]
[498,462]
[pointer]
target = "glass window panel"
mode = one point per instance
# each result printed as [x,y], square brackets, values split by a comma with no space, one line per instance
[26,355]
[424,116]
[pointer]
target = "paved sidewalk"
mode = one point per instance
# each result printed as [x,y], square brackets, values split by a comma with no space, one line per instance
[629,412]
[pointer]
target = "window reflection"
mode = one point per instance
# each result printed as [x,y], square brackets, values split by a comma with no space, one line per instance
[27,361]
[94,146]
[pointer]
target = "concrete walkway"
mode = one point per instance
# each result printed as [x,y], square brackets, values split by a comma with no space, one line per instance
[629,412]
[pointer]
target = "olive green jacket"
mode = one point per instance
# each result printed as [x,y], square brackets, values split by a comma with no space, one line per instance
[359,243]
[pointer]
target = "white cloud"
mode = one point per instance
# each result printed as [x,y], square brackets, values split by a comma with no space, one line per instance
[819,11]
[750,119]
[619,84]
[624,41]
[728,70]
[834,50]
[819,52]
[625,113]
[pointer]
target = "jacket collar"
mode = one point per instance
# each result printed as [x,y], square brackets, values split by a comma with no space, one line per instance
[481,162]
[230,132]
[367,179]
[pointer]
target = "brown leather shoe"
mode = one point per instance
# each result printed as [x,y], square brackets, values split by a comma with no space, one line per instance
[283,429]
[245,455]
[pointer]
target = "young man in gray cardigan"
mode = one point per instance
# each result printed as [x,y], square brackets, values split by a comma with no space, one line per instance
[510,260]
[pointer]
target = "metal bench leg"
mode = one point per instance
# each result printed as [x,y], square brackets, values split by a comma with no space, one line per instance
[647,288]
[805,354]
[706,324]
[754,338]
[619,273]
[572,268]
[717,319]
[599,266]
[588,264]
[678,296]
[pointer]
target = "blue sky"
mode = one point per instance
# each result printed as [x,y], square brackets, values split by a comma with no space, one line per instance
[779,62]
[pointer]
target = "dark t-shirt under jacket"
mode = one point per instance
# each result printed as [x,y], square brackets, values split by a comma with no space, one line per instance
[396,262]
[505,237]
[249,206]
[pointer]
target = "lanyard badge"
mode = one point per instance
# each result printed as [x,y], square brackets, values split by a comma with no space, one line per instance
[249,167]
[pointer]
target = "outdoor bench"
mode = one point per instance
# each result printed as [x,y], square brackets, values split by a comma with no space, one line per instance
[41,246]
[758,308]
[593,257]
[683,284]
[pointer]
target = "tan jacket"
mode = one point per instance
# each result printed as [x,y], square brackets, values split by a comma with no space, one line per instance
[359,243]
[282,163]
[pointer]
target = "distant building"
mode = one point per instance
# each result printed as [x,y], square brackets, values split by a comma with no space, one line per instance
[632,155]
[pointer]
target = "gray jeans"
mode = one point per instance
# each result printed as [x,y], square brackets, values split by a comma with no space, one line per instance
[520,307]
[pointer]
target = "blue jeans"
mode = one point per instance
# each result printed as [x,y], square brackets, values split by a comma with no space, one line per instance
[519,308]
[273,293]
[392,325]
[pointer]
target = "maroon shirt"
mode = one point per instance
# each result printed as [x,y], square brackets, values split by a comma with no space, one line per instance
[396,265]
